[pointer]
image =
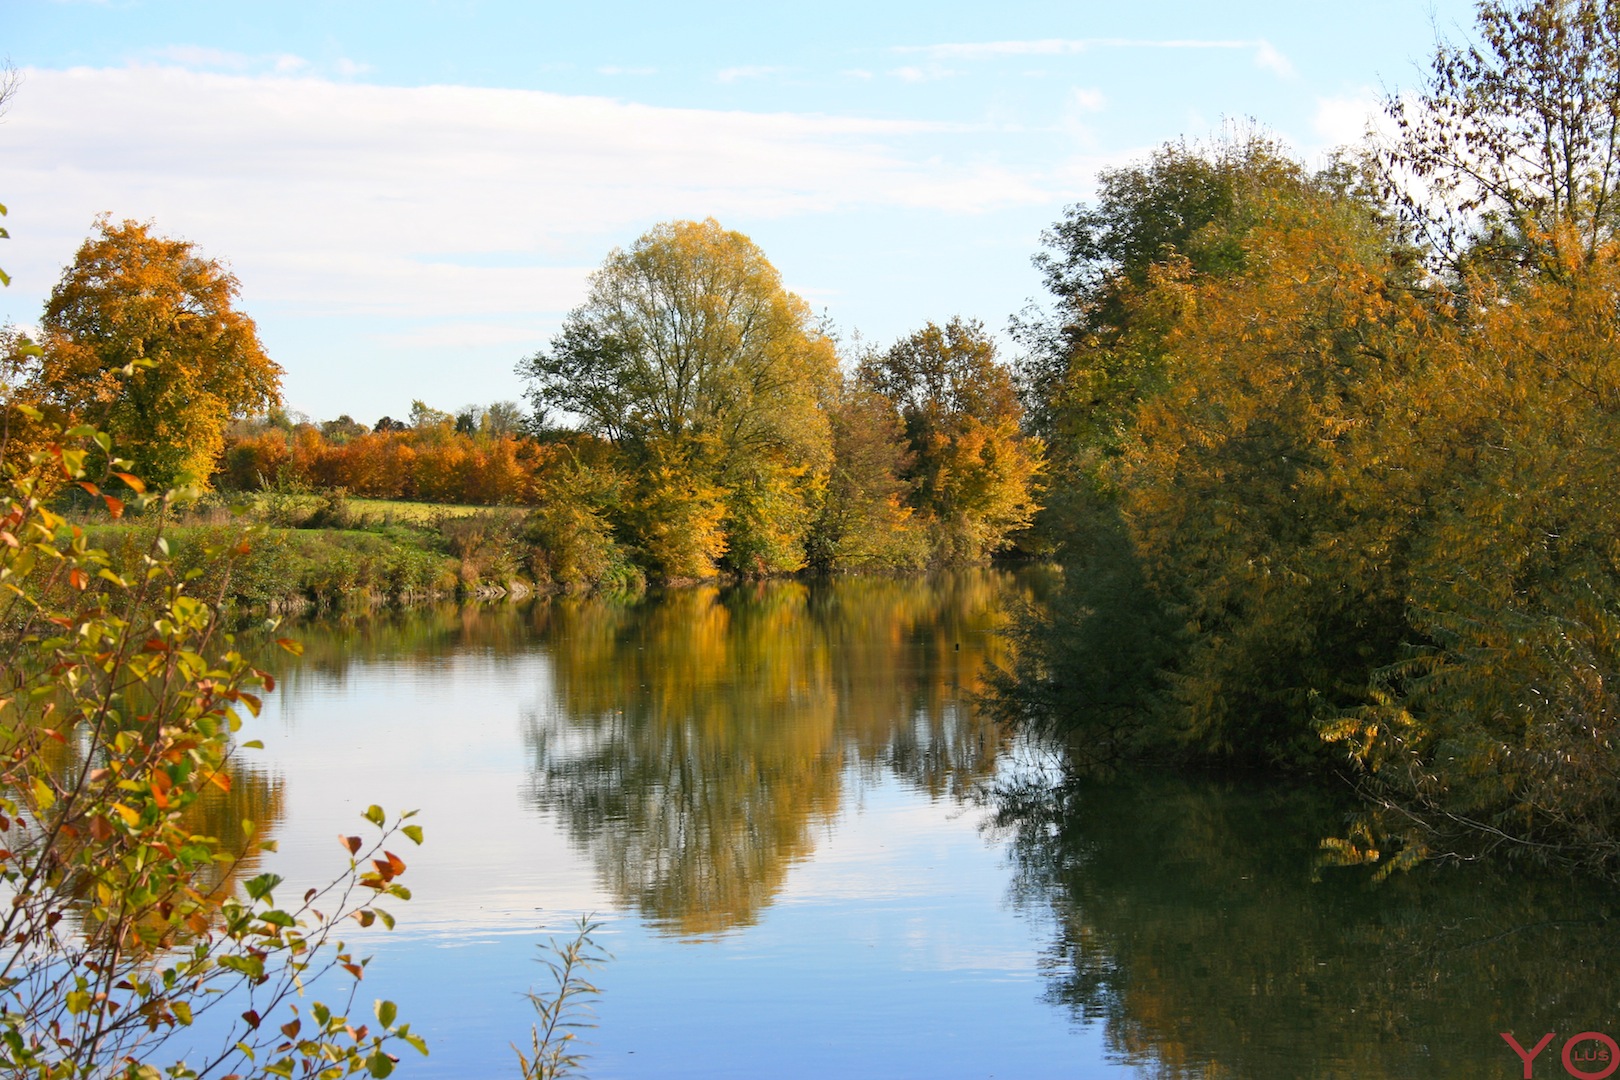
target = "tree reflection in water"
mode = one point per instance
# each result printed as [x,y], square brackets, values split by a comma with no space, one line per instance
[695,744]
[1196,923]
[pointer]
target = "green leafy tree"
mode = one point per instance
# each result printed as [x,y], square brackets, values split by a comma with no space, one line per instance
[502,419]
[710,377]
[142,337]
[1098,352]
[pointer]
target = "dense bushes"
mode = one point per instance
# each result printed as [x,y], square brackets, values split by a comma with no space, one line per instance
[1358,488]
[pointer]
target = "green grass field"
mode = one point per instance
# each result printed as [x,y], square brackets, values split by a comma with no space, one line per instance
[422,513]
[277,508]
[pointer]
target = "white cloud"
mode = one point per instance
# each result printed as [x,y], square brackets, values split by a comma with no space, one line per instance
[1265,54]
[438,217]
[206,58]
[732,74]
[1347,119]
[911,73]
[1087,100]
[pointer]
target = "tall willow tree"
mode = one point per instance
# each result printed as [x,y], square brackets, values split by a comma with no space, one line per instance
[712,380]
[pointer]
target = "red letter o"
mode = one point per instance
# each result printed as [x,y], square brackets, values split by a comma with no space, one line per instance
[1614,1056]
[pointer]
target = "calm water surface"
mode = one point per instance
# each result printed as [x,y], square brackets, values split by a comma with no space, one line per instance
[766,794]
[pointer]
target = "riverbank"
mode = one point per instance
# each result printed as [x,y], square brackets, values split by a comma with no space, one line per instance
[312,553]
[309,553]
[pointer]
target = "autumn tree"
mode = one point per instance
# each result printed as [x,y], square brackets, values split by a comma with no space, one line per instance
[1372,497]
[132,911]
[1098,351]
[1511,151]
[972,471]
[866,519]
[142,336]
[1252,502]
[710,377]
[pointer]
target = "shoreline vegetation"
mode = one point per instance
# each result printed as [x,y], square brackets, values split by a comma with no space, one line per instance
[324,553]
[1333,454]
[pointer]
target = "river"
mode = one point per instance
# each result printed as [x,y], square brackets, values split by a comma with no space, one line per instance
[767,794]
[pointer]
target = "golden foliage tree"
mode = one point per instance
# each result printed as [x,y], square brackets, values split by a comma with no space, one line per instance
[142,337]
[972,470]
[1237,480]
[1502,715]
[691,357]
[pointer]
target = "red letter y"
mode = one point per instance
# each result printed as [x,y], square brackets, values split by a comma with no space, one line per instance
[1527,1058]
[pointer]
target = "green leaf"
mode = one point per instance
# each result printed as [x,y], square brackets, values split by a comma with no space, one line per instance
[375,815]
[414,832]
[386,1013]
[259,888]
[379,1064]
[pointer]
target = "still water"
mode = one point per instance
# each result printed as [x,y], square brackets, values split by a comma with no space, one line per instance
[768,796]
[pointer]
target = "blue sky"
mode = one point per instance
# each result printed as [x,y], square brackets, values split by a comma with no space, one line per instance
[412,194]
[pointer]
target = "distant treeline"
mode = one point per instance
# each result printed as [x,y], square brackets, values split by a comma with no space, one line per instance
[690,419]
[916,459]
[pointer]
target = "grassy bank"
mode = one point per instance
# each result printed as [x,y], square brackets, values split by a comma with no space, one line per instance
[332,552]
